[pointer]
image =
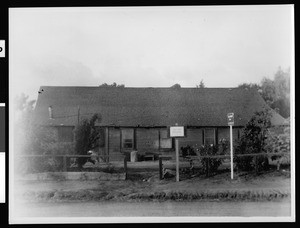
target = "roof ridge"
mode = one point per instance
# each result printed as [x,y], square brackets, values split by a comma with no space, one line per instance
[132,87]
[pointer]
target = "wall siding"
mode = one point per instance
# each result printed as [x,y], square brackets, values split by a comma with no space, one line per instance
[193,137]
[225,133]
[114,144]
[147,140]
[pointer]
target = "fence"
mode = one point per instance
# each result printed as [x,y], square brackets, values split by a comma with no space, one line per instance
[208,157]
[64,159]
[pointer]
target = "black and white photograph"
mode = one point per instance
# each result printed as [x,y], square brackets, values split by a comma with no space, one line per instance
[151,114]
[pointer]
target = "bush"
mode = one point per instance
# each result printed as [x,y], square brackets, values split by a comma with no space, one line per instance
[253,140]
[279,143]
[210,150]
[187,151]
[87,137]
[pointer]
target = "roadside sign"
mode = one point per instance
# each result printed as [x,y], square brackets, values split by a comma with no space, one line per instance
[177,131]
[230,117]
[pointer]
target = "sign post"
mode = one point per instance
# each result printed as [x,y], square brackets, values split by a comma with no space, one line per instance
[177,159]
[230,117]
[177,132]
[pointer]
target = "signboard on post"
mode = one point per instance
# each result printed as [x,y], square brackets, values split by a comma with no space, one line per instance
[230,117]
[177,132]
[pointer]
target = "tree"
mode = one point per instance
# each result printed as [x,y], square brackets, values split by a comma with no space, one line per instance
[21,103]
[250,86]
[23,110]
[115,85]
[253,140]
[176,86]
[277,92]
[87,137]
[201,84]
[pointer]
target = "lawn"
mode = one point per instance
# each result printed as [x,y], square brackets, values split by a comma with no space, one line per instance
[143,183]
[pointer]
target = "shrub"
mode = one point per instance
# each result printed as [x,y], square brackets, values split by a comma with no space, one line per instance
[87,137]
[210,150]
[187,151]
[277,143]
[253,140]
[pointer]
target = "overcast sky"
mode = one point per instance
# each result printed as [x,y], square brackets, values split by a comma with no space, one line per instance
[147,46]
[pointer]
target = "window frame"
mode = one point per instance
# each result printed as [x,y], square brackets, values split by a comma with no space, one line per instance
[205,136]
[123,140]
[164,138]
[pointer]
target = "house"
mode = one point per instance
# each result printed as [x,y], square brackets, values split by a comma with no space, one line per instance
[138,118]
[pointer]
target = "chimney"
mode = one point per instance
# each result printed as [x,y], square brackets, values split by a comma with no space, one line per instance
[50,112]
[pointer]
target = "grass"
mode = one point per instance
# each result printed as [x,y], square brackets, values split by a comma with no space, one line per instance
[94,195]
[144,185]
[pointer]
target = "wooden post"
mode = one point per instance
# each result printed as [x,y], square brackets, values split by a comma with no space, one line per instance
[177,159]
[256,166]
[106,144]
[207,167]
[125,167]
[64,163]
[78,114]
[160,169]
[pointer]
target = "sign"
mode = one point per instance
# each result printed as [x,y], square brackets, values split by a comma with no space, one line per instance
[177,131]
[230,117]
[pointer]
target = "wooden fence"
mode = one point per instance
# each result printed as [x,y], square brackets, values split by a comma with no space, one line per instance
[65,157]
[208,157]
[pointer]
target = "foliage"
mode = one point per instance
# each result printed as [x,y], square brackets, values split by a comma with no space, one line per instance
[87,137]
[201,84]
[210,150]
[22,103]
[38,140]
[279,143]
[176,86]
[275,92]
[253,140]
[112,85]
[250,86]
[32,139]
[187,151]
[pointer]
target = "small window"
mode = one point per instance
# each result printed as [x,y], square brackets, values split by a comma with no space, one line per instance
[128,143]
[65,134]
[127,138]
[209,137]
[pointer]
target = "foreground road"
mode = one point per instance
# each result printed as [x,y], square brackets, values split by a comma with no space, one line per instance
[108,209]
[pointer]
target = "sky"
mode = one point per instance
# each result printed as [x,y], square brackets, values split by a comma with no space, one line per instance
[147,46]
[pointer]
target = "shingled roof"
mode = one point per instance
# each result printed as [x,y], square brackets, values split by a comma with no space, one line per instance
[149,107]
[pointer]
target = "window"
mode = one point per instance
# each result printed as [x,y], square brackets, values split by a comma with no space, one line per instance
[128,143]
[209,136]
[165,142]
[127,138]
[65,134]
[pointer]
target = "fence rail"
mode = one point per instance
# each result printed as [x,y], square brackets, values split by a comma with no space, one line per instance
[105,158]
[254,155]
[236,155]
